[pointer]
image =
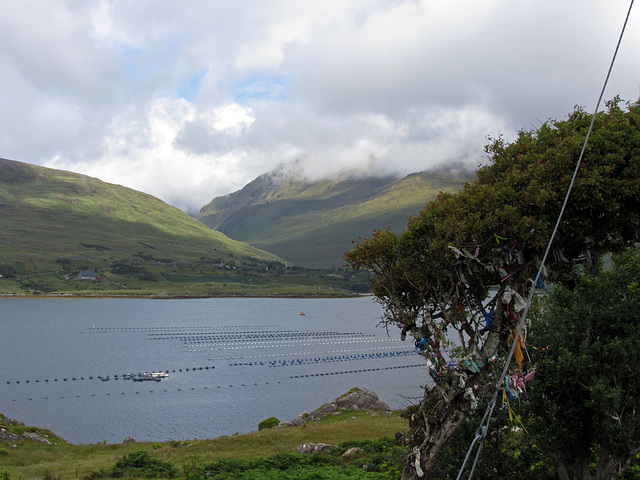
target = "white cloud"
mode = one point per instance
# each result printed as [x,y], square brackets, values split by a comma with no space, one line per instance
[190,100]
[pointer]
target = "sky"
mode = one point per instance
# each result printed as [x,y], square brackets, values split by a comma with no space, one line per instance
[189,100]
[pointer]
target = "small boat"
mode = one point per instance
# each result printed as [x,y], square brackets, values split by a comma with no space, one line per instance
[302,313]
[156,376]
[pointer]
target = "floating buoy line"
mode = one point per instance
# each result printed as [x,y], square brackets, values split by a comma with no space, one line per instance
[231,338]
[297,354]
[217,387]
[356,371]
[155,329]
[156,375]
[282,343]
[264,362]
[326,359]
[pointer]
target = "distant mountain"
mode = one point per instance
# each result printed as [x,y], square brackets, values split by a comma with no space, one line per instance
[314,223]
[55,224]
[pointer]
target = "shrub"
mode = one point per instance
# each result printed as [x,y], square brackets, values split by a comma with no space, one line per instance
[268,423]
[137,464]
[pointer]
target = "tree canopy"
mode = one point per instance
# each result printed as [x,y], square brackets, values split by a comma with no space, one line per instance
[588,381]
[455,280]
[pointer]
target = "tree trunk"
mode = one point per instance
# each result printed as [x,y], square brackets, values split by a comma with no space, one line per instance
[444,406]
[431,430]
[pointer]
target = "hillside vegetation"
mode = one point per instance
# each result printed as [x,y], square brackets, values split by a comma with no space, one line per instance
[236,454]
[314,223]
[54,224]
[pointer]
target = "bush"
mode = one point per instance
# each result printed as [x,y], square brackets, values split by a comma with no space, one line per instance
[268,423]
[137,464]
[292,466]
[7,271]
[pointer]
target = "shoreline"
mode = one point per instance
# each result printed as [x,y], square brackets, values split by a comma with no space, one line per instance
[177,297]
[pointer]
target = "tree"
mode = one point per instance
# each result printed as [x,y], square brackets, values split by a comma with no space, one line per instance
[588,377]
[455,279]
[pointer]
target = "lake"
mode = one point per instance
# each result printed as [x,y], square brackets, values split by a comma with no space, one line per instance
[231,363]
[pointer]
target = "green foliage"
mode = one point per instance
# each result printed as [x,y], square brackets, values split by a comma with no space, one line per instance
[580,411]
[268,423]
[193,468]
[435,279]
[4,451]
[586,389]
[135,271]
[137,464]
[5,475]
[385,455]
[507,452]
[7,271]
[383,460]
[294,466]
[633,471]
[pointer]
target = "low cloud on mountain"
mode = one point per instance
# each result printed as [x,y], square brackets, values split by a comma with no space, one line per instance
[191,100]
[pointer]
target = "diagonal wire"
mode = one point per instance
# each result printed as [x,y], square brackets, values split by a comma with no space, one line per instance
[482,430]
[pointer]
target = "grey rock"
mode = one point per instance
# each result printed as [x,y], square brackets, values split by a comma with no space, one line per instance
[351,452]
[362,399]
[35,438]
[356,399]
[314,447]
[9,436]
[296,422]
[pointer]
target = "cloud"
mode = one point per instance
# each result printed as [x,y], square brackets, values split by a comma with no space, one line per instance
[191,100]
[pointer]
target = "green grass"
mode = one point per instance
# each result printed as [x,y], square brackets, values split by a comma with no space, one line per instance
[55,223]
[314,224]
[30,459]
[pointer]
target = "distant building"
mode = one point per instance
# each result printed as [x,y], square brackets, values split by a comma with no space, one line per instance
[87,275]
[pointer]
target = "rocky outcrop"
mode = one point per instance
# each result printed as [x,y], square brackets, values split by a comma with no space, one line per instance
[9,436]
[355,399]
[314,447]
[34,437]
[352,452]
[361,399]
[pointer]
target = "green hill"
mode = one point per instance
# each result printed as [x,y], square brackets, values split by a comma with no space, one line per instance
[54,224]
[250,455]
[314,223]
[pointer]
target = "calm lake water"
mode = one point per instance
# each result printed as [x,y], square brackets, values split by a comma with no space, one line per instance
[232,362]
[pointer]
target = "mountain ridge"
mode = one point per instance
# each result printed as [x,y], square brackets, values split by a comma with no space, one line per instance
[54,224]
[313,223]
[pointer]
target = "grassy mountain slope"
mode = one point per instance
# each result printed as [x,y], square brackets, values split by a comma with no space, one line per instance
[55,223]
[314,224]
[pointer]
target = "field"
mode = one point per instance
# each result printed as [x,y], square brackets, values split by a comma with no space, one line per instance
[61,460]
